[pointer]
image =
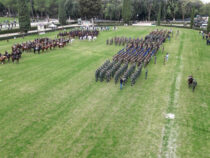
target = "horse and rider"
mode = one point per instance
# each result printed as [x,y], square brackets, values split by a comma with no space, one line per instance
[192,83]
[15,56]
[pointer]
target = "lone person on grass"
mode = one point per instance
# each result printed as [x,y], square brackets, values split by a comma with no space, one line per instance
[194,84]
[167,55]
[162,49]
[146,73]
[155,59]
[121,83]
[164,60]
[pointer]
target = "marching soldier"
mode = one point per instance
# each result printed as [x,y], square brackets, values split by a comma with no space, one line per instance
[194,84]
[164,60]
[146,73]
[121,83]
[155,59]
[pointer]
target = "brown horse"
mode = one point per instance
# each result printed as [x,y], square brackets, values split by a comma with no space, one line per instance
[2,59]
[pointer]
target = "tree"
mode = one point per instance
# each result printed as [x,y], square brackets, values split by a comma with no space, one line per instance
[24,16]
[40,6]
[192,18]
[126,14]
[62,13]
[149,8]
[208,27]
[159,15]
[112,9]
[173,8]
[183,4]
[72,8]
[90,8]
[11,6]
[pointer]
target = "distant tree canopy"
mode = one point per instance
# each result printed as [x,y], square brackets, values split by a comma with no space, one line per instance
[208,27]
[90,8]
[192,17]
[126,11]
[62,13]
[109,9]
[24,16]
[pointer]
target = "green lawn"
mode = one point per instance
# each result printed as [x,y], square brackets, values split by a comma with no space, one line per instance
[51,106]
[2,19]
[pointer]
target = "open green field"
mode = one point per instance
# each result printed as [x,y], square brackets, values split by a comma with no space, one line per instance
[2,19]
[51,106]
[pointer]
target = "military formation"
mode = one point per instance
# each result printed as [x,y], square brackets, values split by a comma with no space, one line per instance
[81,34]
[136,74]
[120,72]
[118,41]
[128,62]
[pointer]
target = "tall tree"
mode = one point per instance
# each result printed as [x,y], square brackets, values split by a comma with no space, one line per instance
[159,15]
[173,7]
[208,27]
[149,4]
[24,16]
[72,8]
[11,6]
[62,13]
[183,6]
[32,8]
[126,14]
[40,6]
[192,18]
[90,8]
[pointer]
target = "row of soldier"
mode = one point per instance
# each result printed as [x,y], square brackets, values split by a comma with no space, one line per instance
[138,51]
[118,71]
[121,41]
[141,50]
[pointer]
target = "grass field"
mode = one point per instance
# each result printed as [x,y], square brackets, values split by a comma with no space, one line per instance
[51,106]
[2,19]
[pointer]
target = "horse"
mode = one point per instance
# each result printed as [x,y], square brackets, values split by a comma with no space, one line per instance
[2,59]
[7,55]
[16,56]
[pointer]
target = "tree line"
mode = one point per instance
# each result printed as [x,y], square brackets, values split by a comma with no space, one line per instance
[103,9]
[109,9]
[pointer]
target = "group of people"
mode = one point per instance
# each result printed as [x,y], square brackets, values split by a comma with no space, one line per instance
[37,46]
[137,52]
[81,34]
[141,50]
[121,40]
[41,44]
[8,24]
[205,36]
[15,56]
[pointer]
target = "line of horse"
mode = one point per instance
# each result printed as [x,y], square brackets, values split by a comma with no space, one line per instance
[37,46]
[138,52]
[42,44]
